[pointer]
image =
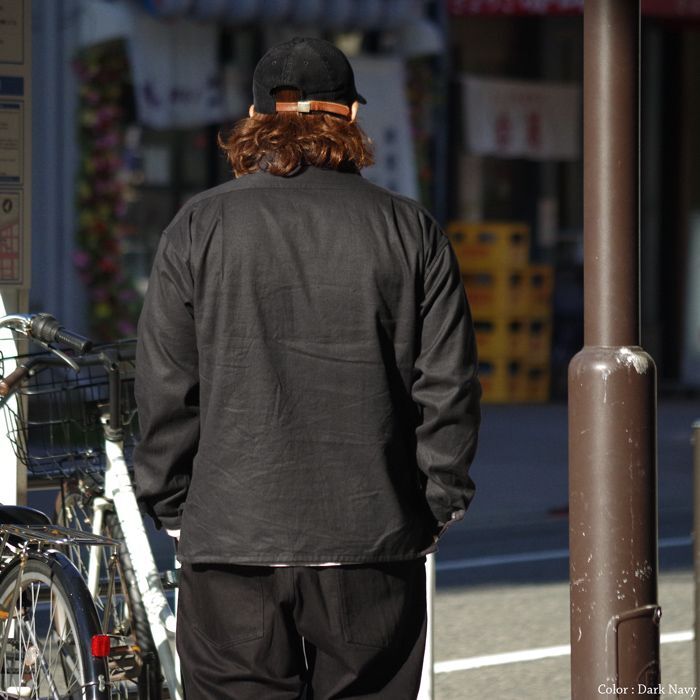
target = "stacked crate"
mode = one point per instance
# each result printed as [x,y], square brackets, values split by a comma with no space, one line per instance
[511,305]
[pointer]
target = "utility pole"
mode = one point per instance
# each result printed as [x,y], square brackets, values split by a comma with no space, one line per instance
[612,386]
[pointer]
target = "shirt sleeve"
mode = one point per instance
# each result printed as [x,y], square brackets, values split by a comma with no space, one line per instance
[447,390]
[167,389]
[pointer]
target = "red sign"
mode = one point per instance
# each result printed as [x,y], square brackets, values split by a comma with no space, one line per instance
[658,8]
[515,7]
[672,8]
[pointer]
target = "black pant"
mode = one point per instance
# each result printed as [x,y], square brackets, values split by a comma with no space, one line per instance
[266,633]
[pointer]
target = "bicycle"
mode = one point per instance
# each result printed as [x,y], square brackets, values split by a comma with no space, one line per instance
[80,434]
[50,637]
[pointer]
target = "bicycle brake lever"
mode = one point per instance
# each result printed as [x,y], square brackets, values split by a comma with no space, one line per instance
[68,360]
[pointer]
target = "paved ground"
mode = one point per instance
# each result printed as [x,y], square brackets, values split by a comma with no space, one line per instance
[502,581]
[484,621]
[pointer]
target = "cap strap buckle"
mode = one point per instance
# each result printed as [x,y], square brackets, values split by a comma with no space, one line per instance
[306,106]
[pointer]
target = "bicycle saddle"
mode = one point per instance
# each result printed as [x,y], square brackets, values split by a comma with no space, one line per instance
[22,515]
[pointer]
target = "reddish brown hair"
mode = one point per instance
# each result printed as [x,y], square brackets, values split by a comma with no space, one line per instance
[287,140]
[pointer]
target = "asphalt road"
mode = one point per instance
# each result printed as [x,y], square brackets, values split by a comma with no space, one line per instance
[502,600]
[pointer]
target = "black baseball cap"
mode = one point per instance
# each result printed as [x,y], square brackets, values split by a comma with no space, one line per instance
[317,68]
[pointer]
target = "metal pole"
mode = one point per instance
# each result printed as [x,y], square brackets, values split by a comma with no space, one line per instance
[696,542]
[612,387]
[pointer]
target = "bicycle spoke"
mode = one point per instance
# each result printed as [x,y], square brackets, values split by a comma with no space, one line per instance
[40,665]
[62,658]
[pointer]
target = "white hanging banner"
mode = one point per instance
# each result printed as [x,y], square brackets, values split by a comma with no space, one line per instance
[517,119]
[177,77]
[386,120]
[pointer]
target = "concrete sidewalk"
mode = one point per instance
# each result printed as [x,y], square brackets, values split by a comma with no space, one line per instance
[521,465]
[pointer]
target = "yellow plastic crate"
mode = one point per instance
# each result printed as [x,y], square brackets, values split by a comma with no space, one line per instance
[539,339]
[502,336]
[503,379]
[537,382]
[496,292]
[539,280]
[489,245]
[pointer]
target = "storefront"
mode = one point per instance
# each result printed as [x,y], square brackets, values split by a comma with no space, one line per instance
[474,106]
[517,67]
[158,80]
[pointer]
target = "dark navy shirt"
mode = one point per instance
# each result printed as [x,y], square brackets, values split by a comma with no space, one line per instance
[306,375]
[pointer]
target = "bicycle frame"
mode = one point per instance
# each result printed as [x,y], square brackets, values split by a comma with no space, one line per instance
[119,490]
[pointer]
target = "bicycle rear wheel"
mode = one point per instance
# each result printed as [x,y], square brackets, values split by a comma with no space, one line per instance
[50,625]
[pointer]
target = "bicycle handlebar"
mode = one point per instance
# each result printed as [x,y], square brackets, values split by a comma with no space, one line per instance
[45,327]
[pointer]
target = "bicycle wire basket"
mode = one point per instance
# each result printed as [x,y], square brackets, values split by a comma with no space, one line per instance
[54,419]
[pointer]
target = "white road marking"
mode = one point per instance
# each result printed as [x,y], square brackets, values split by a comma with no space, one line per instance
[514,657]
[544,555]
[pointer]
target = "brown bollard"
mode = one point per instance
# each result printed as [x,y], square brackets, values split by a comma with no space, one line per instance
[613,522]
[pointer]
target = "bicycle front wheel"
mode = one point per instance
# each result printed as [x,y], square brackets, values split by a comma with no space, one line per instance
[49,620]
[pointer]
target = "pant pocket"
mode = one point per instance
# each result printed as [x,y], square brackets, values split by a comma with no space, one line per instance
[378,603]
[223,604]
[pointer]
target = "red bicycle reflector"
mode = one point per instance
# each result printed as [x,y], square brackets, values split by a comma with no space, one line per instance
[100,645]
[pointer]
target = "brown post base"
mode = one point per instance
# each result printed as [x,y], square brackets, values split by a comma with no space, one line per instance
[613,522]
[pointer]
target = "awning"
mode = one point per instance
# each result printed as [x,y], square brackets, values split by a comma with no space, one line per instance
[323,14]
[657,8]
